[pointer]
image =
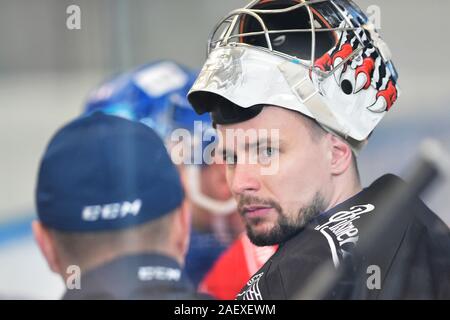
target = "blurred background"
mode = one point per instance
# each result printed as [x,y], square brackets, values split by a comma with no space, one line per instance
[47,70]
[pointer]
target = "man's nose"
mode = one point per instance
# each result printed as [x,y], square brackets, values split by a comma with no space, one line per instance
[245,179]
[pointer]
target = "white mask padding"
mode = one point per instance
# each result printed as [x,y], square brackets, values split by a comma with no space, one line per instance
[246,77]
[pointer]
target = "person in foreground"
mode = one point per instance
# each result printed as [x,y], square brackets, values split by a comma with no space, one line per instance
[316,78]
[111,215]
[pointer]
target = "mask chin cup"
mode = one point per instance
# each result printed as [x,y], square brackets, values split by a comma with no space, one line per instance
[220,208]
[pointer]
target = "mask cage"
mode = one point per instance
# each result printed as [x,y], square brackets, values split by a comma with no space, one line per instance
[301,31]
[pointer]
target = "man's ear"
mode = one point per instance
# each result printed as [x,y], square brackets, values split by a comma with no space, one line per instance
[46,244]
[341,155]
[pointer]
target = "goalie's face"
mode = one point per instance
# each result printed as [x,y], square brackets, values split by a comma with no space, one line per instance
[276,204]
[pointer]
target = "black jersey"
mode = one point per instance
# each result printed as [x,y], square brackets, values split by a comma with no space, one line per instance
[412,256]
[136,277]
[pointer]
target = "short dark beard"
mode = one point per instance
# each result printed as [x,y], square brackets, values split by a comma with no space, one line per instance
[286,227]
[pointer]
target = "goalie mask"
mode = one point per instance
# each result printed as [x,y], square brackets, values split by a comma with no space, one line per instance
[322,58]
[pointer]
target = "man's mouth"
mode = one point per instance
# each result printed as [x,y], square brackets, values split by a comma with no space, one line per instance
[255,211]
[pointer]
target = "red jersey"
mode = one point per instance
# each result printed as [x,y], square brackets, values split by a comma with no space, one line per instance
[234,268]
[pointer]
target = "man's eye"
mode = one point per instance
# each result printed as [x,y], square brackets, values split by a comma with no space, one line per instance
[268,152]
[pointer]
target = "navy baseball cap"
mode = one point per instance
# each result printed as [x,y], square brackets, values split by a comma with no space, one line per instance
[102,172]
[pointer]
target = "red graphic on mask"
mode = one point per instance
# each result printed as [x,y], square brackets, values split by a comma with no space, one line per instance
[363,76]
[390,94]
[366,68]
[344,53]
[324,62]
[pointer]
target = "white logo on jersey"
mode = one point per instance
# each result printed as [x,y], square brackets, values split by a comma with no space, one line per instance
[340,231]
[252,291]
[159,273]
[111,211]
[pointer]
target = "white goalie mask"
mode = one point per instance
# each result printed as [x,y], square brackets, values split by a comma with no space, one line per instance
[322,58]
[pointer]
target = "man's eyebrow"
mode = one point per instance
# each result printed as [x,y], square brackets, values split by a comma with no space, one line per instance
[250,146]
[262,142]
